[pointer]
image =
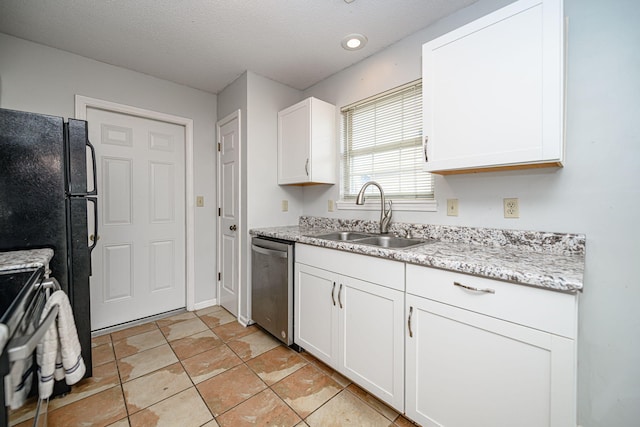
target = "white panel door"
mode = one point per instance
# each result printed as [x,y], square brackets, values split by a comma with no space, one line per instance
[467,369]
[229,211]
[139,267]
[372,338]
[315,312]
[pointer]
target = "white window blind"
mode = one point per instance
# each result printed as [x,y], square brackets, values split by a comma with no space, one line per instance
[382,141]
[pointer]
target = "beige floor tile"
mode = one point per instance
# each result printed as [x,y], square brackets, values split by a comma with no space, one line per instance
[195,344]
[306,390]
[102,354]
[142,363]
[232,330]
[101,409]
[122,423]
[263,409]
[137,343]
[401,421]
[216,318]
[175,319]
[185,409]
[210,309]
[104,377]
[102,339]
[275,364]
[230,388]
[178,330]
[211,423]
[346,410]
[336,376]
[388,412]
[252,345]
[154,387]
[210,363]
[134,330]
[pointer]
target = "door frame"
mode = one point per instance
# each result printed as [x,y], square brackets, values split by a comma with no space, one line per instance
[82,103]
[237,114]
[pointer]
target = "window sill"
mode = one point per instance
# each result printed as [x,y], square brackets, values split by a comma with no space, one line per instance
[398,205]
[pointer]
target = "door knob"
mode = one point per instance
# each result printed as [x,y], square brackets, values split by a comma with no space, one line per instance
[233,227]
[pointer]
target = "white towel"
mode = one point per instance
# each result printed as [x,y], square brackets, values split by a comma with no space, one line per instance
[59,354]
[19,381]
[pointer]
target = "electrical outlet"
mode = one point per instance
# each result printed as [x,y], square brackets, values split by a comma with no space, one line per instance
[285,205]
[452,207]
[330,205]
[511,208]
[200,201]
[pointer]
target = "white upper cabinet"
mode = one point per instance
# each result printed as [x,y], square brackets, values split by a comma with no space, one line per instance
[307,143]
[493,91]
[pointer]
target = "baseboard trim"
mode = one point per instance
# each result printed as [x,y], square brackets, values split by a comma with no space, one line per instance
[204,304]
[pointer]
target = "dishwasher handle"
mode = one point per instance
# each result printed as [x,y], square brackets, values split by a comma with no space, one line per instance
[269,252]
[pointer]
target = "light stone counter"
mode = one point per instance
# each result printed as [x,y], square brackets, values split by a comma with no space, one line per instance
[25,259]
[547,260]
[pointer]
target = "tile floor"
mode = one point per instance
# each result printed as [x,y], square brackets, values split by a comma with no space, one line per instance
[204,369]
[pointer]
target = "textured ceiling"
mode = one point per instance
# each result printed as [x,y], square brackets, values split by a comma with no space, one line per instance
[206,44]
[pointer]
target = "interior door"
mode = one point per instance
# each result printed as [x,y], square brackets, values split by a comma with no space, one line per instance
[228,130]
[139,262]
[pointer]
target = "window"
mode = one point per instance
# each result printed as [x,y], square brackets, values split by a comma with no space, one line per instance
[382,141]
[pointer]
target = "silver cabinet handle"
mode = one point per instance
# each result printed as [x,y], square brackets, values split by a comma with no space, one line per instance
[409,322]
[471,288]
[306,167]
[426,141]
[340,292]
[332,292]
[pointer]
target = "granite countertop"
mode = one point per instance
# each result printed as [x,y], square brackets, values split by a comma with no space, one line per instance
[24,259]
[552,261]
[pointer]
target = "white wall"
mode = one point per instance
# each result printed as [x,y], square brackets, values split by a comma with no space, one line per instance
[259,100]
[45,80]
[596,193]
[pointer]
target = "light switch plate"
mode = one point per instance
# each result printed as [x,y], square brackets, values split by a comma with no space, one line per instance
[330,205]
[285,206]
[452,207]
[200,201]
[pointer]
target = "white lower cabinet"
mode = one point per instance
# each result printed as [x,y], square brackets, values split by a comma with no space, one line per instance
[466,366]
[355,326]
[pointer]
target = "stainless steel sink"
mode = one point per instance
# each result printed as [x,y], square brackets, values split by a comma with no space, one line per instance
[343,235]
[390,242]
[383,241]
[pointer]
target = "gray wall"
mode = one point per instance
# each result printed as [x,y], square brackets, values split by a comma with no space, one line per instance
[45,80]
[259,100]
[596,193]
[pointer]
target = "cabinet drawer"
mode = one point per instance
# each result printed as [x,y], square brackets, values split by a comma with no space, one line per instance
[542,309]
[375,270]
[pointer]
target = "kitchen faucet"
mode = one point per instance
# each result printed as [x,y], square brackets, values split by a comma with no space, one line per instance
[385,216]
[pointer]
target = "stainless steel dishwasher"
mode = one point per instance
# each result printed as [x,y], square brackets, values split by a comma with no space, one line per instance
[272,286]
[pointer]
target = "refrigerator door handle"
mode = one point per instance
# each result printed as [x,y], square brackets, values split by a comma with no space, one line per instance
[94,242]
[94,191]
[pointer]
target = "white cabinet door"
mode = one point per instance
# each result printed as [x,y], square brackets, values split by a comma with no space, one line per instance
[306,143]
[316,320]
[493,91]
[465,369]
[372,338]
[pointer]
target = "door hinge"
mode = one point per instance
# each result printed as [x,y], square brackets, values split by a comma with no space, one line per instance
[219,276]
[219,147]
[219,211]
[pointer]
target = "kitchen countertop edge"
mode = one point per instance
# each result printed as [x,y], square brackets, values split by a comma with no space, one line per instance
[555,272]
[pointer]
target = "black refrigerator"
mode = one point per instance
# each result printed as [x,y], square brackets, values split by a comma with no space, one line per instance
[47,199]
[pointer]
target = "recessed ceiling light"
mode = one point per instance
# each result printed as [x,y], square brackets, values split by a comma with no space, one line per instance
[354,42]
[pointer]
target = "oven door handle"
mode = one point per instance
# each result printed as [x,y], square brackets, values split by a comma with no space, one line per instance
[22,347]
